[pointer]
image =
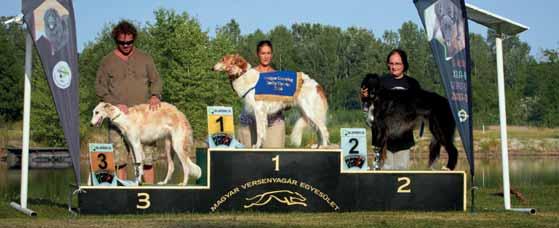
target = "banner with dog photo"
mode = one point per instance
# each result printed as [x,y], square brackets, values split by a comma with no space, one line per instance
[52,27]
[446,24]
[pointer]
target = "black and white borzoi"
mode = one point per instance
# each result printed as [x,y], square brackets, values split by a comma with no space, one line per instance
[393,112]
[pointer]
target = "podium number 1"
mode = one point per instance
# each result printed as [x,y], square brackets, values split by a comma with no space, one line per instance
[276,160]
[220,121]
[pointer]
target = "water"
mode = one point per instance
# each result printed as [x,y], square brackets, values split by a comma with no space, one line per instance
[53,184]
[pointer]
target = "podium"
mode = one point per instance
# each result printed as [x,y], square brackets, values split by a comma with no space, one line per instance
[284,180]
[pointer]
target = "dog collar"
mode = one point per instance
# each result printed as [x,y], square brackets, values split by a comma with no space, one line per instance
[113,119]
[248,91]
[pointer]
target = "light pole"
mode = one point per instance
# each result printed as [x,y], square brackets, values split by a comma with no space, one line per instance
[502,26]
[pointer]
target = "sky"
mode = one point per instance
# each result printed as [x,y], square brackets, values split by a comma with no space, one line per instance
[378,16]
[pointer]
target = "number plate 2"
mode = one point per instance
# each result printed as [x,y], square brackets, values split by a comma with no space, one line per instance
[354,148]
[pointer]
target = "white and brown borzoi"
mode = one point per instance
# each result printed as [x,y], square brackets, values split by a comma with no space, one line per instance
[142,125]
[311,100]
[394,112]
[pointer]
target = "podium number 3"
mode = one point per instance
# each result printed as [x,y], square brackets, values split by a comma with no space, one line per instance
[405,187]
[103,161]
[143,201]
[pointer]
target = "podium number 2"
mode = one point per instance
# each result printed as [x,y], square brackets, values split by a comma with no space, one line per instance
[405,187]
[220,121]
[143,201]
[352,150]
[276,160]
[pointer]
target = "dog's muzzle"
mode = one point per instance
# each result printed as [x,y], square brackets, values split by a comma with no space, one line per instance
[96,124]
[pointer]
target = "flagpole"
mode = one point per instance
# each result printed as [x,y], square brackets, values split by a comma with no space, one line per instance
[472,191]
[22,207]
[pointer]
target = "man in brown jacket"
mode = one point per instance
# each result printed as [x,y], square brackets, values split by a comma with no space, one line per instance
[127,77]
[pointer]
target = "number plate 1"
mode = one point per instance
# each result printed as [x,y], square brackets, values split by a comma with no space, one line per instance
[221,129]
[354,148]
[102,163]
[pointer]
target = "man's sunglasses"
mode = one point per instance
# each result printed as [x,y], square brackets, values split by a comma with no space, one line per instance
[123,43]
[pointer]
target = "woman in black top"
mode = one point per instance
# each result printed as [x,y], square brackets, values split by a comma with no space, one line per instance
[398,149]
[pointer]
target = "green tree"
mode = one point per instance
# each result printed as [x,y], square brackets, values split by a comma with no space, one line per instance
[231,32]
[541,102]
[12,44]
[184,56]
[284,48]
[516,57]
[422,65]
[484,82]
[247,47]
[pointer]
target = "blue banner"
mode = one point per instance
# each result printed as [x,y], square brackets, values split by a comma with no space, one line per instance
[278,86]
[446,24]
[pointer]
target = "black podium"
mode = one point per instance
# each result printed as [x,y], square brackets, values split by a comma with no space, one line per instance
[284,180]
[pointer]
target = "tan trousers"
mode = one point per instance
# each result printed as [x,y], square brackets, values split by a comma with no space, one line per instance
[275,135]
[122,152]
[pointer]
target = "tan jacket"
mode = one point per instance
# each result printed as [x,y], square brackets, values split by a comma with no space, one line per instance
[129,82]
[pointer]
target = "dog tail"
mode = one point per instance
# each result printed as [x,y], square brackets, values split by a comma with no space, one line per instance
[297,132]
[195,170]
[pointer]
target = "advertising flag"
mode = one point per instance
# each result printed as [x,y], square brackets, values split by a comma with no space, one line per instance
[52,26]
[446,24]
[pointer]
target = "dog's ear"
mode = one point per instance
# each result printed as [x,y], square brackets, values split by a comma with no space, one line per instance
[240,62]
[369,78]
[109,109]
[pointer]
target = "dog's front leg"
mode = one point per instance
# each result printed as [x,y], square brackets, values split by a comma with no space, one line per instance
[261,126]
[379,141]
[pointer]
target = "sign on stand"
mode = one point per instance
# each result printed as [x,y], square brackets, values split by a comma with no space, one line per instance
[102,164]
[221,129]
[354,148]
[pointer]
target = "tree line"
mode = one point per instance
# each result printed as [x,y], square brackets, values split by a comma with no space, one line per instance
[337,58]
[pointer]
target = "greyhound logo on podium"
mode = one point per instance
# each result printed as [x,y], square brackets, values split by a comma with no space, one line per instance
[354,149]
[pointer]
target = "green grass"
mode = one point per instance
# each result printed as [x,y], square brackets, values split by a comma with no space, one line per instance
[488,213]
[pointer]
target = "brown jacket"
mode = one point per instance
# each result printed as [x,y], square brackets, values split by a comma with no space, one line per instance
[129,82]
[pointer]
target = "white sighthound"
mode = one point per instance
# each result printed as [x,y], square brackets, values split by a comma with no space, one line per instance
[142,125]
[311,100]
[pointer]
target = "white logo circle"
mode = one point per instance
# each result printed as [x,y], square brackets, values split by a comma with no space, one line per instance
[463,115]
[62,75]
